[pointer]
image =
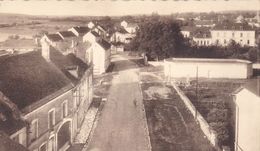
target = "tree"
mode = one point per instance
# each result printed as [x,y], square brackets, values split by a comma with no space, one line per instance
[158,38]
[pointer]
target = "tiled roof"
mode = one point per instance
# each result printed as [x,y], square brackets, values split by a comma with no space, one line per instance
[28,77]
[253,86]
[67,33]
[103,43]
[232,26]
[200,34]
[54,37]
[81,29]
[188,28]
[6,144]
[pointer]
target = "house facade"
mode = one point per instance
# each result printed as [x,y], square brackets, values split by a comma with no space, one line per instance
[242,34]
[247,132]
[202,39]
[54,92]
[99,50]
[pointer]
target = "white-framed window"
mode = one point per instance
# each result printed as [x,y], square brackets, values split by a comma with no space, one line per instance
[34,130]
[51,144]
[65,109]
[51,118]
[43,147]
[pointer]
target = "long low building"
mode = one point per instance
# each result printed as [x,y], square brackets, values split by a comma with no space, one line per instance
[207,68]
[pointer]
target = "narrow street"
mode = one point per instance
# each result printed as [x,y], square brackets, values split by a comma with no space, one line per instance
[122,125]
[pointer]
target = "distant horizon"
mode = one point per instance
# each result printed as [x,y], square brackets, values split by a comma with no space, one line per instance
[123,8]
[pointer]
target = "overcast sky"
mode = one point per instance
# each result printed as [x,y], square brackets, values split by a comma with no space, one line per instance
[120,7]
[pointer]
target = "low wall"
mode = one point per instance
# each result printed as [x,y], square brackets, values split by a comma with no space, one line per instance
[207,130]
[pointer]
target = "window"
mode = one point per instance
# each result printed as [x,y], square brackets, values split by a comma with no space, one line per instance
[51,144]
[217,41]
[241,34]
[34,130]
[248,42]
[225,41]
[65,108]
[43,147]
[233,34]
[51,118]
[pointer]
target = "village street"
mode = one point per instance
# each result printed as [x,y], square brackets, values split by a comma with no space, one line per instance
[122,125]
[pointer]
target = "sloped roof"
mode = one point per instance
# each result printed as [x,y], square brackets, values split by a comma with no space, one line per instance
[188,28]
[95,34]
[67,33]
[81,29]
[27,78]
[104,44]
[54,37]
[253,86]
[122,30]
[202,34]
[6,144]
[64,62]
[132,25]
[232,26]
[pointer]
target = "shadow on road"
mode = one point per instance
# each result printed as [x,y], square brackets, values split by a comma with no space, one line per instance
[122,65]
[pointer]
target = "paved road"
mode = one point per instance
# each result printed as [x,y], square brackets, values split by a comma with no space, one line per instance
[121,126]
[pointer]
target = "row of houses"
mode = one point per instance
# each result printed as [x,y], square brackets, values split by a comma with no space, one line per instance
[221,34]
[45,93]
[43,97]
[86,42]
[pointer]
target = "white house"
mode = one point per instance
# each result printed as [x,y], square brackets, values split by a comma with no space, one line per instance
[247,100]
[242,34]
[186,31]
[202,39]
[91,25]
[53,39]
[100,51]
[121,35]
[129,27]
[207,68]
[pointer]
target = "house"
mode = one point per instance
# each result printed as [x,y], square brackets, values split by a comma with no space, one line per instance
[44,95]
[99,50]
[207,68]
[122,36]
[202,38]
[129,27]
[247,102]
[186,31]
[79,31]
[91,25]
[243,34]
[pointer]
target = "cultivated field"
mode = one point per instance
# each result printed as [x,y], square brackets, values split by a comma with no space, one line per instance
[171,126]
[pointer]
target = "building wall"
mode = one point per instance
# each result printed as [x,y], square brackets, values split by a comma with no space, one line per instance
[247,121]
[223,37]
[21,135]
[202,41]
[78,100]
[186,34]
[233,70]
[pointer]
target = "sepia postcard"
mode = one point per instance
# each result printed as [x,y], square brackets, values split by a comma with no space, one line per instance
[136,75]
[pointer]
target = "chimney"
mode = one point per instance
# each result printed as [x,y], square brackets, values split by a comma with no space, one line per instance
[45,49]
